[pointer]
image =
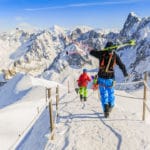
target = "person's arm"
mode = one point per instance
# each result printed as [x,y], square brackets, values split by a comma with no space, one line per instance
[89,49]
[89,79]
[121,65]
[95,53]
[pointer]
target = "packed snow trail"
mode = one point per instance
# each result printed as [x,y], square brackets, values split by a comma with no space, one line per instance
[85,128]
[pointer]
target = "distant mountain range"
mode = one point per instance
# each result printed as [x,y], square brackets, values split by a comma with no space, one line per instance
[43,53]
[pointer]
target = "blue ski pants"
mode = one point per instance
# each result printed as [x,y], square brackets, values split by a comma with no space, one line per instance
[106,91]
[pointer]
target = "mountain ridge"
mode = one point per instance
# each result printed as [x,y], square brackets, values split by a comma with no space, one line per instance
[45,50]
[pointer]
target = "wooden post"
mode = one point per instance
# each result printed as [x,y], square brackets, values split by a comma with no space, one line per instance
[57,98]
[144,96]
[46,94]
[74,83]
[68,87]
[51,118]
[49,93]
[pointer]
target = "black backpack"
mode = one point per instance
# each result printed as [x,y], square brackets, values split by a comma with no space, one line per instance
[107,62]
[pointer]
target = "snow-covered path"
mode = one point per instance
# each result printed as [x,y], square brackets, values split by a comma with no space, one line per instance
[82,127]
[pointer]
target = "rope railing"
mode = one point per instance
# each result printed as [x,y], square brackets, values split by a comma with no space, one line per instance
[48,100]
[146,87]
[127,83]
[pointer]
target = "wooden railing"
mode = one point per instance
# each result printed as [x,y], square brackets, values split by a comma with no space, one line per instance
[51,112]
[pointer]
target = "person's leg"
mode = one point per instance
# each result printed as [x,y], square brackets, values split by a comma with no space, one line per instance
[85,93]
[103,92]
[104,96]
[81,92]
[111,96]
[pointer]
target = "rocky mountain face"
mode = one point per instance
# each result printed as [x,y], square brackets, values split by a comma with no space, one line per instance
[130,26]
[54,50]
[138,29]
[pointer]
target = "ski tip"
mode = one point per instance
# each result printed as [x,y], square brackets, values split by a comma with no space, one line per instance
[132,42]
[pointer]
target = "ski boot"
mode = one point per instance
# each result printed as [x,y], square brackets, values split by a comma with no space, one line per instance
[106,111]
[81,98]
[110,107]
[85,98]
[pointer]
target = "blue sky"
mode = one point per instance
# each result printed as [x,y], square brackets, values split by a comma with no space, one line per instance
[69,13]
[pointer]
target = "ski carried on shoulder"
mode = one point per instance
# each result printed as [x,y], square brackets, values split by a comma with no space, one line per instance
[115,47]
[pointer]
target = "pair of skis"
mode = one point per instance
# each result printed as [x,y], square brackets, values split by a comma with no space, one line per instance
[116,47]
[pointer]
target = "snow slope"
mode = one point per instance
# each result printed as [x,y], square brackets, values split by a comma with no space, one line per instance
[82,127]
[25,123]
[22,100]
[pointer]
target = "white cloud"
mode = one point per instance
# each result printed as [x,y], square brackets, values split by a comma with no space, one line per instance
[84,5]
[19,18]
[26,26]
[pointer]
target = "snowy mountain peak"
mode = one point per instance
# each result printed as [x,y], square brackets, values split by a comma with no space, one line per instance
[83,28]
[132,14]
[44,52]
[131,25]
[57,30]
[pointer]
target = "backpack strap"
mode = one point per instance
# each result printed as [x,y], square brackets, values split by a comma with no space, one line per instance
[102,64]
[109,61]
[106,66]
